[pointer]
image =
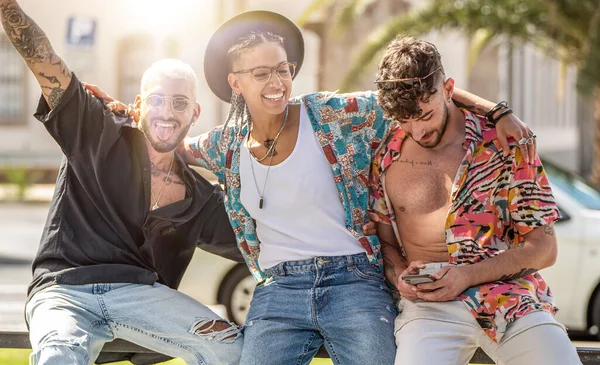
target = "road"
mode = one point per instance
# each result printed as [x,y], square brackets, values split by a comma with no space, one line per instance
[20,229]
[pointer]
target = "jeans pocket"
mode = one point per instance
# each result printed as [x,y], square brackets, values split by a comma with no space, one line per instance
[367,272]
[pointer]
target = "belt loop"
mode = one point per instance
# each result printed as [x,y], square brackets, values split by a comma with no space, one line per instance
[281,269]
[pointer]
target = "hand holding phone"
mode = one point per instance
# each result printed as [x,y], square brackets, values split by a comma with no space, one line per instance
[418,279]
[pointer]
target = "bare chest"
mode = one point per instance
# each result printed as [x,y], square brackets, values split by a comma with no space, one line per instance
[166,189]
[420,182]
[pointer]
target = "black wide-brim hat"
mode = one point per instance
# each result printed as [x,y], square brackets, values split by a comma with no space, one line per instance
[216,64]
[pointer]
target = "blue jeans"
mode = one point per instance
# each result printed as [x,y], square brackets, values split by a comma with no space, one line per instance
[69,324]
[339,301]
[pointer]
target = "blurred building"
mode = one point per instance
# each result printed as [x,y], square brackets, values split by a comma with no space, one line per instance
[111,42]
[538,89]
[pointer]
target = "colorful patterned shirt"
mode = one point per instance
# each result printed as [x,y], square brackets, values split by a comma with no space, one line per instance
[495,202]
[349,129]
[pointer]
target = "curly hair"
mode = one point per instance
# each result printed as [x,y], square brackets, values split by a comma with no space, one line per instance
[407,57]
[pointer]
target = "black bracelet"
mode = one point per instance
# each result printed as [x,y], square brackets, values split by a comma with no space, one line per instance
[490,115]
[506,111]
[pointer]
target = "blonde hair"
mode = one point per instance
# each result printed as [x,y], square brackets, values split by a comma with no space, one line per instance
[169,68]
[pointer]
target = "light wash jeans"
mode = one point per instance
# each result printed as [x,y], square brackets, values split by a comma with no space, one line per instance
[69,324]
[339,301]
[441,333]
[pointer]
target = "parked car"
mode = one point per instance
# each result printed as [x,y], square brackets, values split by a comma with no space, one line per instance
[574,279]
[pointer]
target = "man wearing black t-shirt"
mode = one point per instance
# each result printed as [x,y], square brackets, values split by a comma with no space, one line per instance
[125,218]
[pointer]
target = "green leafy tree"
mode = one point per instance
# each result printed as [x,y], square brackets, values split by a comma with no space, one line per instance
[568,30]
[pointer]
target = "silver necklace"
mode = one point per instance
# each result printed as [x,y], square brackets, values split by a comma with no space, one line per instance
[156,206]
[272,147]
[262,194]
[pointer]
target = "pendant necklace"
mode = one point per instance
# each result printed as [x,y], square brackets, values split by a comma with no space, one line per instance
[269,152]
[271,148]
[156,206]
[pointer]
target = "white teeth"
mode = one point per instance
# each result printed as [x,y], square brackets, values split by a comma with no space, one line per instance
[274,96]
[165,125]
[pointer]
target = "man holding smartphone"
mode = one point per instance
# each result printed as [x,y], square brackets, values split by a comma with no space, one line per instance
[464,229]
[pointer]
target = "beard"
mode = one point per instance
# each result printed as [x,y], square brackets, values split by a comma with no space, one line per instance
[439,132]
[160,145]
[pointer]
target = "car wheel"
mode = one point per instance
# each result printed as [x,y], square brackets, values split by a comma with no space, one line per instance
[236,292]
[594,329]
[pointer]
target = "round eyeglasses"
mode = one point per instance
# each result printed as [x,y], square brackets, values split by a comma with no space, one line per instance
[262,74]
[178,103]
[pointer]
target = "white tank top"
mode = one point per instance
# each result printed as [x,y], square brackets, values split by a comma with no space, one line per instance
[302,215]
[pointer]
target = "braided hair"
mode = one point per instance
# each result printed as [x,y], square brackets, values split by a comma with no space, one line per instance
[239,112]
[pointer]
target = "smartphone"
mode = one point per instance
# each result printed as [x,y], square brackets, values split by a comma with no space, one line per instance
[418,279]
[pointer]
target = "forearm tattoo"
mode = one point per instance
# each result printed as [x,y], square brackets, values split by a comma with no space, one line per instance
[53,93]
[472,108]
[390,269]
[33,45]
[520,274]
[388,266]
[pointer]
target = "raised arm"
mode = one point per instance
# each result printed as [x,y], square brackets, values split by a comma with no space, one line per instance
[507,126]
[31,42]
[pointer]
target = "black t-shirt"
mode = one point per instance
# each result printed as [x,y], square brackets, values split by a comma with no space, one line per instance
[99,227]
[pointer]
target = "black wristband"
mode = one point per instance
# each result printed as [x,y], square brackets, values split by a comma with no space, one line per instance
[490,115]
[506,111]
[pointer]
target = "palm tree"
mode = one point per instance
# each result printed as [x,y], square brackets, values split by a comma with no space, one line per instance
[568,30]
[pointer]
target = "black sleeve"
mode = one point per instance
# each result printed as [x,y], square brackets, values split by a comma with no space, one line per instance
[79,123]
[217,236]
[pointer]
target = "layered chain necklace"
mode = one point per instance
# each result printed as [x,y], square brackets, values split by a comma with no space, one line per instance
[270,152]
[156,206]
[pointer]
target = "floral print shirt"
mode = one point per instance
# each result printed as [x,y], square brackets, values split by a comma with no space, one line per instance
[349,128]
[495,202]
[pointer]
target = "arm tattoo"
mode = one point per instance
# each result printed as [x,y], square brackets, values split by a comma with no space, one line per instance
[472,108]
[33,45]
[520,274]
[390,268]
[549,229]
[54,94]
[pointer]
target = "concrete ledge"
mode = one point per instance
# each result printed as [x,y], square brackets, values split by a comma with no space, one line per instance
[20,340]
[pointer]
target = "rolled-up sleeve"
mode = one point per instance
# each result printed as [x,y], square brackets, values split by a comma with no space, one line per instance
[530,199]
[79,123]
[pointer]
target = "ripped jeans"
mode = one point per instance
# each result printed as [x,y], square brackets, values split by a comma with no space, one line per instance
[69,324]
[339,302]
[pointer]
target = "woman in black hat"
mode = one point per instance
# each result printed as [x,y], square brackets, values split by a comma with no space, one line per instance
[296,174]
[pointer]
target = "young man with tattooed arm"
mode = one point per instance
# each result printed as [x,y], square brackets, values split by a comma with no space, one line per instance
[125,219]
[464,229]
